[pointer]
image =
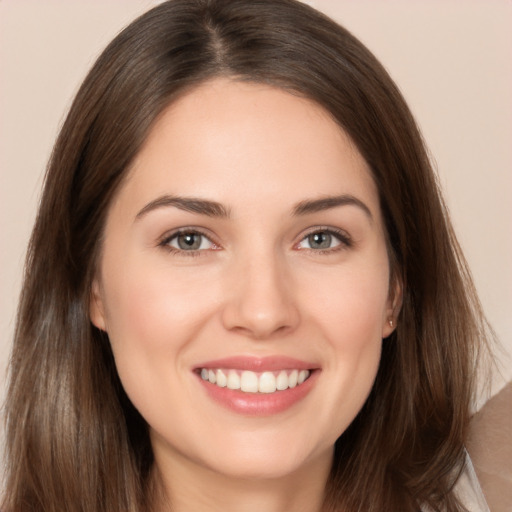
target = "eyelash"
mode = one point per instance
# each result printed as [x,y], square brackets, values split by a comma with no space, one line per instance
[345,241]
[167,239]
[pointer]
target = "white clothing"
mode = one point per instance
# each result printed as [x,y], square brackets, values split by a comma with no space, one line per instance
[468,490]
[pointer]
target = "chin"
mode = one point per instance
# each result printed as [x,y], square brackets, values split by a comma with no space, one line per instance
[259,461]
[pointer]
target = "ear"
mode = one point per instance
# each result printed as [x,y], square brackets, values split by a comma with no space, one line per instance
[395,300]
[96,308]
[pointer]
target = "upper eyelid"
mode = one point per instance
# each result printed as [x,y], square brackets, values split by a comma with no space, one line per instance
[341,234]
[344,238]
[325,229]
[165,243]
[169,235]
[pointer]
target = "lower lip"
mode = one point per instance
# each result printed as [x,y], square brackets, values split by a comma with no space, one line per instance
[259,404]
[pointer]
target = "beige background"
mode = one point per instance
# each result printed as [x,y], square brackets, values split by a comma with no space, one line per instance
[452,60]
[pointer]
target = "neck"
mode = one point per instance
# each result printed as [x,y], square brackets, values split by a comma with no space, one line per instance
[192,487]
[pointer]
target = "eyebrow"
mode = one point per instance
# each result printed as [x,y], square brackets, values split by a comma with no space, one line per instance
[215,209]
[188,204]
[326,203]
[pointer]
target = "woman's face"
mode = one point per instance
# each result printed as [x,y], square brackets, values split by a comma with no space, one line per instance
[246,249]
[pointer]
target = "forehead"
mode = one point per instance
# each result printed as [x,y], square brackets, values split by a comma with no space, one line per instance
[234,141]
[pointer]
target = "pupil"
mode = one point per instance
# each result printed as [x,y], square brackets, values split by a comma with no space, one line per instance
[189,241]
[320,240]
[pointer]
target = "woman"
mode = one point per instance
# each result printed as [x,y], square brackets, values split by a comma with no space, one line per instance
[242,289]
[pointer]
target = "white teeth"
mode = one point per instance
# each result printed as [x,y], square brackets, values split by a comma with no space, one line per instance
[267,383]
[282,381]
[233,380]
[222,380]
[251,382]
[292,379]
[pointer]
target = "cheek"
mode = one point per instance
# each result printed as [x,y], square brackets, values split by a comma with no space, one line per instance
[352,303]
[152,317]
[154,307]
[355,328]
[350,315]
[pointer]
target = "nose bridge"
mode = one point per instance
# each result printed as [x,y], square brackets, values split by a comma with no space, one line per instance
[260,301]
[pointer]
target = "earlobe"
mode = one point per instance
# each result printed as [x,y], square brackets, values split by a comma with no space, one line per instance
[389,327]
[96,310]
[395,305]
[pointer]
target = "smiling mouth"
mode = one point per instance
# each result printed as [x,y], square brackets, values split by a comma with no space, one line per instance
[255,382]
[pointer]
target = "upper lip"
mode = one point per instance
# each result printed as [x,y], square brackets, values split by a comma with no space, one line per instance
[258,364]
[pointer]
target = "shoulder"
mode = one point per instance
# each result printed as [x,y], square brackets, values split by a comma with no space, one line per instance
[469,491]
[490,447]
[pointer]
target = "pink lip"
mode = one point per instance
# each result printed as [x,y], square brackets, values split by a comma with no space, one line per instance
[258,404]
[259,364]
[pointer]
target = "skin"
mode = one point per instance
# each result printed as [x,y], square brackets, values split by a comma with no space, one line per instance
[257,286]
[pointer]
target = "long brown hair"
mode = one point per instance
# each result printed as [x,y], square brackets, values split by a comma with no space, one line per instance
[74,441]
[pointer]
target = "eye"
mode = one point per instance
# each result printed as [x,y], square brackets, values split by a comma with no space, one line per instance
[188,241]
[324,240]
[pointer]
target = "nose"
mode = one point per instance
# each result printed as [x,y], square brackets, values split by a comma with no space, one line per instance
[260,300]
